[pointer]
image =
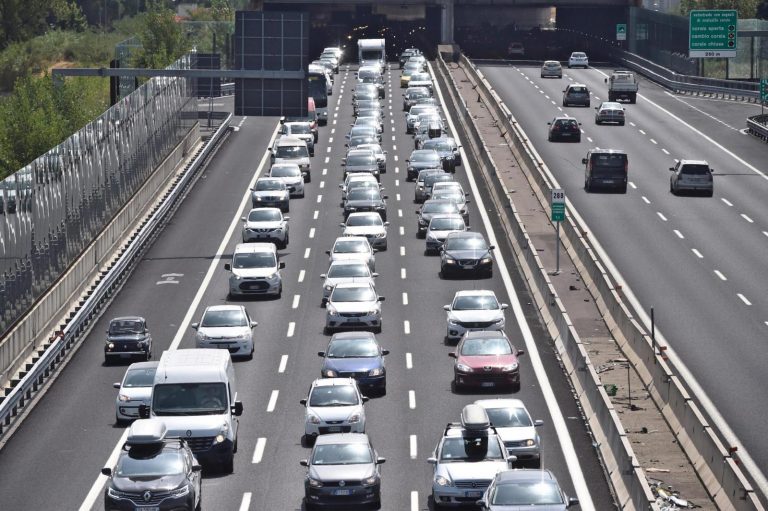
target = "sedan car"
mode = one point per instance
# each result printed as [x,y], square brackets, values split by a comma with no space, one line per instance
[226,327]
[564,128]
[691,176]
[366,104]
[440,227]
[430,183]
[127,337]
[352,248]
[419,195]
[412,95]
[343,469]
[134,390]
[407,54]
[578,59]
[358,140]
[365,199]
[266,224]
[356,355]
[271,192]
[360,161]
[334,405]
[551,68]
[517,430]
[374,121]
[486,359]
[525,489]
[409,69]
[421,80]
[472,311]
[353,305]
[609,111]
[466,252]
[448,150]
[431,208]
[345,271]
[576,94]
[454,194]
[421,159]
[413,115]
[290,174]
[358,179]
[379,153]
[360,130]
[369,225]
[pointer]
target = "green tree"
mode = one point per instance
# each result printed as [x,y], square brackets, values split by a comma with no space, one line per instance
[747,8]
[762,10]
[22,19]
[68,15]
[161,37]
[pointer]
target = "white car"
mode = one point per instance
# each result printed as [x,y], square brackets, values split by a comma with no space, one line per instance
[369,225]
[439,227]
[514,425]
[473,310]
[352,248]
[379,153]
[578,59]
[134,390]
[301,130]
[346,271]
[290,174]
[226,327]
[334,405]
[360,179]
[353,305]
[255,270]
[266,224]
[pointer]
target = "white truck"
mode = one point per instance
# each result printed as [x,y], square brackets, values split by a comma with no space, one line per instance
[369,50]
[622,85]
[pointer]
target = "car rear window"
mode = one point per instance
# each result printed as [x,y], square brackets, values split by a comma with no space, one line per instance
[578,89]
[609,160]
[695,170]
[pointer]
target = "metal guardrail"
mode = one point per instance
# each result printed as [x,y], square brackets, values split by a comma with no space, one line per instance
[25,388]
[757,125]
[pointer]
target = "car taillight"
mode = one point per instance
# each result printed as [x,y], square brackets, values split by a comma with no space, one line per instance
[626,168]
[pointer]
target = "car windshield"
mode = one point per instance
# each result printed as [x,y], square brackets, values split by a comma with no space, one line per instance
[526,493]
[364,194]
[292,171]
[366,121]
[450,194]
[254,260]
[339,271]
[609,160]
[425,157]
[224,318]
[430,180]
[361,139]
[509,417]
[578,55]
[189,399]
[126,327]
[439,207]
[292,151]
[369,104]
[566,123]
[149,462]
[420,77]
[299,129]
[438,145]
[362,184]
[362,220]
[360,159]
[465,244]
[351,247]
[367,74]
[353,294]
[341,454]
[695,170]
[366,94]
[353,348]
[263,185]
[376,148]
[475,303]
[552,64]
[446,224]
[420,109]
[264,215]
[470,449]
[486,346]
[139,378]
[416,93]
[333,395]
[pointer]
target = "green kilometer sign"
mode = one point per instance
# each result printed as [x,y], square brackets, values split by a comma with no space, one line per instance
[558,212]
[713,33]
[764,90]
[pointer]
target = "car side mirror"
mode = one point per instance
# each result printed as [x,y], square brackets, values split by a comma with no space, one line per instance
[672,168]
[328,252]
[321,354]
[341,185]
[491,247]
[303,402]
[242,218]
[342,224]
[116,385]
[106,471]
[341,204]
[254,324]
[227,267]
[572,501]
[384,352]
[385,197]
[521,352]
[286,218]
[197,467]
[366,399]
[143,411]
[467,201]
[584,161]
[549,124]
[380,460]
[538,422]
[304,463]
[605,80]
[281,265]
[381,298]
[194,326]
[446,307]
[375,250]
[237,409]
[452,354]
[432,460]
[504,305]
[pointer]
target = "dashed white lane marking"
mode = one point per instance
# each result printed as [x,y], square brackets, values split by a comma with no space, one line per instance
[744,299]
[654,142]
[291,329]
[325,172]
[258,453]
[283,364]
[246,502]
[641,132]
[400,213]
[552,102]
[402,251]
[411,399]
[397,182]
[402,273]
[327,159]
[408,361]
[726,202]
[302,273]
[306,252]
[590,139]
[315,214]
[393,138]
[745,217]
[330,140]
[329,150]
[397,196]
[698,254]
[413,448]
[632,124]
[407,327]
[679,234]
[765,233]
[296,300]
[661,216]
[402,231]
[665,151]
[319,197]
[633,185]
[720,275]
[394,147]
[333,130]
[322,184]
[415,498]
[312,232]
[405,298]
[395,157]
[397,170]
[560,108]
[645,199]
[272,401]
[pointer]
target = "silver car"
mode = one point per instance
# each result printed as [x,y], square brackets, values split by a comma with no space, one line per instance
[345,271]
[362,179]
[290,174]
[347,458]
[334,405]
[353,305]
[289,149]
[440,227]
[609,111]
[266,224]
[352,248]
[526,489]
[301,130]
[413,115]
[369,225]
[431,208]
[271,192]
[226,327]
[412,95]
[691,176]
[517,430]
[134,390]
[578,59]
[379,153]
[456,196]
[473,310]
[551,68]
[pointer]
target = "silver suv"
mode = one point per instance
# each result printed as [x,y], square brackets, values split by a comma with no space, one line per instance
[691,176]
[473,310]
[226,327]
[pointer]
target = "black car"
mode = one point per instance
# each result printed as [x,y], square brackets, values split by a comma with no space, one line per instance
[413,95]
[466,252]
[128,337]
[365,199]
[564,128]
[431,208]
[448,150]
[153,472]
[421,159]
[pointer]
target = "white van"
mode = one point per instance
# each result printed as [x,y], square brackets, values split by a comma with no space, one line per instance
[195,394]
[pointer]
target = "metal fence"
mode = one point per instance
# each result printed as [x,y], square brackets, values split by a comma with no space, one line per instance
[53,208]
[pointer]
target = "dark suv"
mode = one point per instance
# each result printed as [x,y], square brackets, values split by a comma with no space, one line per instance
[128,337]
[606,167]
[564,128]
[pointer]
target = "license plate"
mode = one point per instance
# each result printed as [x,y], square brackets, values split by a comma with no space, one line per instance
[335,429]
[341,492]
[151,508]
[487,384]
[609,181]
[473,494]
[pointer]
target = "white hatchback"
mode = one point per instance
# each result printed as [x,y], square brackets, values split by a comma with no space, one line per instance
[578,59]
[226,327]
[334,405]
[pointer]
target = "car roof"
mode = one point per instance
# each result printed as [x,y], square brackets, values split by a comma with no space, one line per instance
[269,180]
[224,307]
[151,364]
[286,140]
[598,150]
[611,104]
[350,238]
[564,118]
[552,62]
[430,152]
[474,292]
[486,334]
[363,213]
[524,474]
[358,151]
[332,382]
[576,84]
[252,248]
[693,162]
[441,216]
[500,403]
[354,335]
[342,438]
[265,209]
[129,318]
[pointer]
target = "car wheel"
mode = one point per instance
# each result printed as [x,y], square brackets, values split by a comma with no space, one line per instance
[376,504]
[672,189]
[588,184]
[516,387]
[107,361]
[327,331]
[120,422]
[621,123]
[250,355]
[148,355]
[623,188]
[377,330]
[709,193]
[228,466]
[578,139]
[307,440]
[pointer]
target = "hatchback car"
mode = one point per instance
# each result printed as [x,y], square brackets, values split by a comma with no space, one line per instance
[421,159]
[356,355]
[517,430]
[289,149]
[410,68]
[226,327]
[691,176]
[358,140]
[353,305]
[525,489]
[486,359]
[429,209]
[578,59]
[334,405]
[564,128]
[466,252]
[271,192]
[255,269]
[515,49]
[343,470]
[345,271]
[358,179]
[134,390]
[421,80]
[360,161]
[290,174]
[365,199]
[379,153]
[413,115]
[425,180]
[266,224]
[439,228]
[407,54]
[352,248]
[369,225]
[361,130]
[551,68]
[472,311]
[448,150]
[609,111]
[576,94]
[374,121]
[127,337]
[453,194]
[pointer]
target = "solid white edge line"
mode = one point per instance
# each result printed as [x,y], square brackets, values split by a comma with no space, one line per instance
[95,491]
[258,452]
[566,444]
[272,401]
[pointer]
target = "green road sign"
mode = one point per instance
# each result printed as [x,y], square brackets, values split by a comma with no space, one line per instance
[621,31]
[764,90]
[713,33]
[558,212]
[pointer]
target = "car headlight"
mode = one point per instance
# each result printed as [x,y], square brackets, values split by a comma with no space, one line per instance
[219,438]
[315,483]
[141,344]
[485,260]
[529,443]
[202,336]
[378,371]
[452,322]
[370,481]
[274,276]
[331,310]
[123,398]
[111,345]
[329,373]
[313,419]
[510,367]
[114,493]
[328,287]
[372,312]
[442,481]
[258,199]
[449,260]
[180,492]
[354,418]
[237,277]
[499,321]
[463,368]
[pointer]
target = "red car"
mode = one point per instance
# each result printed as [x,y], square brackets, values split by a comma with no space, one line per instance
[486,359]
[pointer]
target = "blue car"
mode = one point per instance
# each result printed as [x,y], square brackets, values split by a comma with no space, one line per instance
[356,355]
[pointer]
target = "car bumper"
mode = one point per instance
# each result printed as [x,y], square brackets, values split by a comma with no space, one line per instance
[487,380]
[546,74]
[137,502]
[254,287]
[369,321]
[328,496]
[452,496]
[216,454]
[480,267]
[236,348]
[128,410]
[282,204]
[129,353]
[249,236]
[455,332]
[694,187]
[326,429]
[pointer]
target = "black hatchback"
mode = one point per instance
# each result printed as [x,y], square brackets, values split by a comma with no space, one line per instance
[564,128]
[466,252]
[128,337]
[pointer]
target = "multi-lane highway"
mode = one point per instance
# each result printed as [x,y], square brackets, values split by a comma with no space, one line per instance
[54,458]
[700,262]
